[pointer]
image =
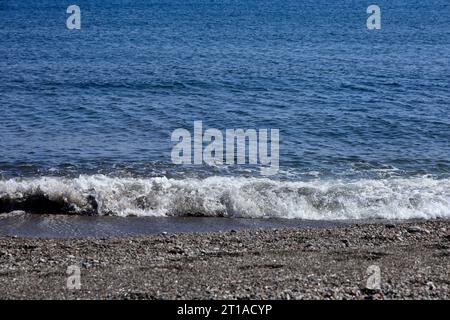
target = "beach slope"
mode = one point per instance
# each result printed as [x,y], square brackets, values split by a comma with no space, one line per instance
[413,259]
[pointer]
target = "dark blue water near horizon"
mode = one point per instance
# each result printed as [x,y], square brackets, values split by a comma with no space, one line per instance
[106,98]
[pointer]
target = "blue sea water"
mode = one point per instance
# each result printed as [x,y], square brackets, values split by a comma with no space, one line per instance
[363,114]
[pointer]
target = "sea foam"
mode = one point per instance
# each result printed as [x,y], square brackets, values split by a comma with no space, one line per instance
[394,198]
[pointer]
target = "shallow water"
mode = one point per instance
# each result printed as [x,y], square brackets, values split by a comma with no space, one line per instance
[64,226]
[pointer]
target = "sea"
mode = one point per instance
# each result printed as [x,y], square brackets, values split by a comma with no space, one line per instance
[87,115]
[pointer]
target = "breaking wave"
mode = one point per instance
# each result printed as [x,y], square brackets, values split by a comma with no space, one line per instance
[394,198]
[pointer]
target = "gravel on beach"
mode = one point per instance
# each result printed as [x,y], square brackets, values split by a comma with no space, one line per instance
[413,260]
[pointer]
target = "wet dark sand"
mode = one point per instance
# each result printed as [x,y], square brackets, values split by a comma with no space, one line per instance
[66,226]
[312,263]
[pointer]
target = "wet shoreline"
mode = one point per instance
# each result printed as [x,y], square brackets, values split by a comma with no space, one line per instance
[75,226]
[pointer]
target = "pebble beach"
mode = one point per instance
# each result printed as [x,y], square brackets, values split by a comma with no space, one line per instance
[330,263]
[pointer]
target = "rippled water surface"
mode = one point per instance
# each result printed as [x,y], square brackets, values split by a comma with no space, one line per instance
[363,115]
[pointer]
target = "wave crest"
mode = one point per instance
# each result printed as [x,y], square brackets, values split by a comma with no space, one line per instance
[395,198]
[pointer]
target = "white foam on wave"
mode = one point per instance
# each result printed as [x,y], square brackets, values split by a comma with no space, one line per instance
[395,198]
